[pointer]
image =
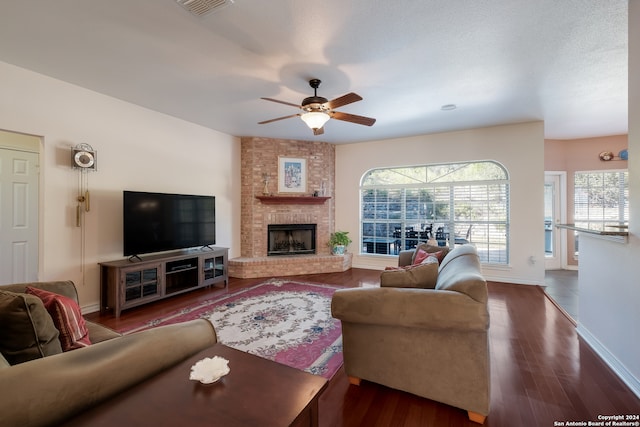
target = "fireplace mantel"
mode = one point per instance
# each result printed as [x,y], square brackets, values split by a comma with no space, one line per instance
[292,200]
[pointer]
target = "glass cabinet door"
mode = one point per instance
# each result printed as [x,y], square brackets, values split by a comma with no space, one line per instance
[141,283]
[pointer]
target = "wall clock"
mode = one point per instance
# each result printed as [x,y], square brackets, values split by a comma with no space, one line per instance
[83,157]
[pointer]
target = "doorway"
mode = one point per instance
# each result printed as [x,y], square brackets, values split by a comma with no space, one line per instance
[19,189]
[554,213]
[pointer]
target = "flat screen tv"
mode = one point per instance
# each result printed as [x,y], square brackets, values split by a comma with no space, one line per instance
[157,222]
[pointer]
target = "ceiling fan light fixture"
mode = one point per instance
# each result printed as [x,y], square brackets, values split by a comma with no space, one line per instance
[315,119]
[317,110]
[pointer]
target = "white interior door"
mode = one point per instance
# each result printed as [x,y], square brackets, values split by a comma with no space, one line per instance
[18,216]
[553,214]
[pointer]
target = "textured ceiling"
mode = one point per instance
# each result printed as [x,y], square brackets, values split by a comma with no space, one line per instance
[499,61]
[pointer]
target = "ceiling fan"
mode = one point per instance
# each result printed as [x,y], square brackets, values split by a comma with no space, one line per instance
[316,110]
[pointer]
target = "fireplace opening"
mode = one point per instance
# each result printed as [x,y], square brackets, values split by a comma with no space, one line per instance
[291,239]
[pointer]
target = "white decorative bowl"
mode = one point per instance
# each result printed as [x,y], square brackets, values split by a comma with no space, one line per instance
[209,370]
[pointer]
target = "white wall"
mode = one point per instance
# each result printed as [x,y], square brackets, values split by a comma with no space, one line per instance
[519,147]
[138,149]
[609,295]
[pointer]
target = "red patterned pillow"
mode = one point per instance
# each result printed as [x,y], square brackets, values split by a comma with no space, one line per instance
[439,255]
[67,318]
[429,259]
[441,251]
[421,255]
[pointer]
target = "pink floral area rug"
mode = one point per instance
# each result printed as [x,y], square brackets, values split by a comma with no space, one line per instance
[282,320]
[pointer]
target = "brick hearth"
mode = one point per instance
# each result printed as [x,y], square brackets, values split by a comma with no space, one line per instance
[259,158]
[288,265]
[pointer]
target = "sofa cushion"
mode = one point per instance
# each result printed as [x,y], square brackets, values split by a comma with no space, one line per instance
[439,251]
[27,331]
[423,275]
[66,316]
[99,333]
[3,362]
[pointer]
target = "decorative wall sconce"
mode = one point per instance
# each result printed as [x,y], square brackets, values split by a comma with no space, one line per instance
[606,156]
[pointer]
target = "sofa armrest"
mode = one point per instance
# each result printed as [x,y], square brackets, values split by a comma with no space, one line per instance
[412,308]
[65,384]
[99,333]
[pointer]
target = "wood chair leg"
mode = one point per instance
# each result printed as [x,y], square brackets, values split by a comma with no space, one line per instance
[476,418]
[354,380]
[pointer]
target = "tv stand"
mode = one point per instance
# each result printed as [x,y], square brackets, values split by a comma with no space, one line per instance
[134,281]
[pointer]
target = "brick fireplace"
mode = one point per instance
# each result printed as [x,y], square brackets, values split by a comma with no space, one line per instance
[259,160]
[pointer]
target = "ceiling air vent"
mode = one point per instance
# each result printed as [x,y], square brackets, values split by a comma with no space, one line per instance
[203,7]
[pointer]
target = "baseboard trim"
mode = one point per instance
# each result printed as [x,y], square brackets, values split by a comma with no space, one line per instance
[90,308]
[514,280]
[616,366]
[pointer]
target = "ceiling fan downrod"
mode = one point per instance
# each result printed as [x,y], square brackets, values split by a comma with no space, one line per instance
[314,103]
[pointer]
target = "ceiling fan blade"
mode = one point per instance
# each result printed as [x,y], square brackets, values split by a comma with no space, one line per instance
[343,100]
[279,118]
[361,120]
[281,102]
[318,131]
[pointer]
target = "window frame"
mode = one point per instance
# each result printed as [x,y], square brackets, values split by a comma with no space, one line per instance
[595,221]
[492,234]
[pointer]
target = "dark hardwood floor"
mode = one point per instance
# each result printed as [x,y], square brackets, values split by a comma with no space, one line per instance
[542,372]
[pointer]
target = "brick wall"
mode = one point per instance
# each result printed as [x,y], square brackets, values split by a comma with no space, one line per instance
[259,157]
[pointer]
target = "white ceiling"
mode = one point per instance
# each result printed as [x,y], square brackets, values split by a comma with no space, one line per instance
[499,61]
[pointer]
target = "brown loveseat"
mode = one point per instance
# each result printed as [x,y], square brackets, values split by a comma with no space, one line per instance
[48,390]
[432,342]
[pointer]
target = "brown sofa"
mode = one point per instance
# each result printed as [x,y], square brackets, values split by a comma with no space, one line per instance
[47,390]
[432,342]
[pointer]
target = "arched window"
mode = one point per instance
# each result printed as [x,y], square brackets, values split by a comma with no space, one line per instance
[454,203]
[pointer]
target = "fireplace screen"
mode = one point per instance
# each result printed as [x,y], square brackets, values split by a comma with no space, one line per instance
[291,239]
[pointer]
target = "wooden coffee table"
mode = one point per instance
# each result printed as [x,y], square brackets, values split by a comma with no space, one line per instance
[257,392]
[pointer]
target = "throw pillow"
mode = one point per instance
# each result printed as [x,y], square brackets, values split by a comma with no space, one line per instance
[419,256]
[27,331]
[430,258]
[444,250]
[67,317]
[422,275]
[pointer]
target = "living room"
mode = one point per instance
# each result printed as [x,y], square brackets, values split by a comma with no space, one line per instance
[141,149]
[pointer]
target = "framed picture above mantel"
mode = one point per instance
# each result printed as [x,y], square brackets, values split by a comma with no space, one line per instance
[292,175]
